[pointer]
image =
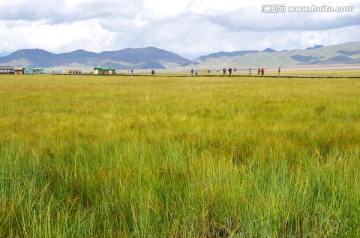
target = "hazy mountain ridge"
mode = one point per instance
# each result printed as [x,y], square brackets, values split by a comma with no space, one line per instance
[154,58]
[342,54]
[140,58]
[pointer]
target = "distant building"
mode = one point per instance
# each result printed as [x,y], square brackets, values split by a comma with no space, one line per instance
[74,72]
[103,70]
[36,71]
[19,70]
[6,70]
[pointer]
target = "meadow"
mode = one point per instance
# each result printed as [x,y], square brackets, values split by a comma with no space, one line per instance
[94,156]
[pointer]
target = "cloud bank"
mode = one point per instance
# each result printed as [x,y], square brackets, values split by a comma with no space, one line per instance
[188,27]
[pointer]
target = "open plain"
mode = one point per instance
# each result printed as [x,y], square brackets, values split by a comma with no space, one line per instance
[95,156]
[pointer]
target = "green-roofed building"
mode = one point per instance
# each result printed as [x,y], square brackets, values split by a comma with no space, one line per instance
[103,70]
[35,71]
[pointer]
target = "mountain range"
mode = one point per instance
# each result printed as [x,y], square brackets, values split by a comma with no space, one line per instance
[154,58]
[316,56]
[139,58]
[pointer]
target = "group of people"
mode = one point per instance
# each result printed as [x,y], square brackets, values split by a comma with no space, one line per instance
[260,71]
[207,71]
[230,70]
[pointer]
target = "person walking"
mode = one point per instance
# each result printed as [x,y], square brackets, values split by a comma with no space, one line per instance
[262,71]
[258,71]
[279,70]
[224,71]
[230,71]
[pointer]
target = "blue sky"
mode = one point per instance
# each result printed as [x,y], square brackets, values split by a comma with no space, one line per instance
[188,27]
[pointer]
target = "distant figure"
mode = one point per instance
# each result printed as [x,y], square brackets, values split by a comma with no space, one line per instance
[230,70]
[262,71]
[132,71]
[196,73]
[192,72]
[224,71]
[208,71]
[258,71]
[279,70]
[250,71]
[152,72]
[235,71]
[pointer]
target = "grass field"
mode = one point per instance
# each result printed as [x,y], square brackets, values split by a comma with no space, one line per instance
[87,156]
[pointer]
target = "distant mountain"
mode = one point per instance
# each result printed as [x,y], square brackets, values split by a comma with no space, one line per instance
[318,55]
[154,58]
[228,54]
[269,50]
[233,53]
[141,58]
[315,47]
[35,56]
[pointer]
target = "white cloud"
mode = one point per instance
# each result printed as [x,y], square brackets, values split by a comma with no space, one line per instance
[187,27]
[161,8]
[57,38]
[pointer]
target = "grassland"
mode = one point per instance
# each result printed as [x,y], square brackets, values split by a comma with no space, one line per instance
[85,156]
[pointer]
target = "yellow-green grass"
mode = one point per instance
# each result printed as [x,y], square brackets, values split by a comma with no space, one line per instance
[88,156]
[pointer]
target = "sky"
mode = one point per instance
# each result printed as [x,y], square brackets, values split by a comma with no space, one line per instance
[190,28]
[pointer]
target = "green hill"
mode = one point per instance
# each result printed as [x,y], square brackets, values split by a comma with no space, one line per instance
[343,54]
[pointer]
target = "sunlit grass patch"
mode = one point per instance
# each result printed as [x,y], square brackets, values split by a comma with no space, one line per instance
[179,156]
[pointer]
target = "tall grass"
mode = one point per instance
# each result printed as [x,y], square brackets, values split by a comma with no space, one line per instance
[178,157]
